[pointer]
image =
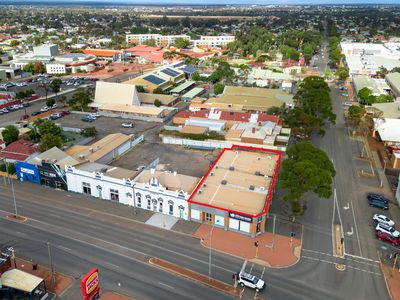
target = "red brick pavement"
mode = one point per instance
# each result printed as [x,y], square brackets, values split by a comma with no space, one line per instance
[394,285]
[284,253]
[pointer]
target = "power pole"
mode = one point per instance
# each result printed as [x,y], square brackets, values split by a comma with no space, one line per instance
[53,279]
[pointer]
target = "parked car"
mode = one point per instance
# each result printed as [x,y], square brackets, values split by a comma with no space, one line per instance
[251,281]
[387,229]
[44,109]
[345,94]
[54,106]
[377,197]
[35,113]
[378,204]
[127,125]
[343,88]
[382,236]
[65,112]
[348,103]
[55,116]
[96,115]
[382,219]
[94,118]
[5,110]
[87,119]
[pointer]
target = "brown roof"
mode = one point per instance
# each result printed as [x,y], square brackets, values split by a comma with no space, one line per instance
[239,181]
[98,149]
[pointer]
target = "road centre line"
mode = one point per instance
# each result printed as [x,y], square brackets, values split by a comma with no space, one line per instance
[371,262]
[166,285]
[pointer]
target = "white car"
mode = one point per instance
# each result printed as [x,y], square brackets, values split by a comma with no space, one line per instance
[382,219]
[54,105]
[46,108]
[127,125]
[387,229]
[95,115]
[251,281]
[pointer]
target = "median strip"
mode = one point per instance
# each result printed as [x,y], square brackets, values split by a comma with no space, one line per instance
[200,278]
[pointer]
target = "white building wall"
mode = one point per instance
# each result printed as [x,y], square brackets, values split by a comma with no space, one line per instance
[129,192]
[56,69]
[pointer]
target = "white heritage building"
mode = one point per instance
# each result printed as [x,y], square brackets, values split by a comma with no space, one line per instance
[159,191]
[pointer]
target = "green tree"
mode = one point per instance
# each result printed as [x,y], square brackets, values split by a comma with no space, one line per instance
[89,131]
[39,68]
[29,67]
[80,100]
[47,127]
[313,107]
[50,102]
[14,43]
[181,43]
[158,90]
[157,103]
[11,169]
[218,88]
[306,169]
[364,95]
[140,89]
[150,42]
[327,73]
[55,85]
[49,141]
[10,134]
[356,114]
[342,73]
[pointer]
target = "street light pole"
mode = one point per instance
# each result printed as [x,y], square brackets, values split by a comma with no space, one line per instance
[12,188]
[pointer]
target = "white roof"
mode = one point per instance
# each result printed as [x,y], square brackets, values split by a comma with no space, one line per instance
[388,129]
[20,280]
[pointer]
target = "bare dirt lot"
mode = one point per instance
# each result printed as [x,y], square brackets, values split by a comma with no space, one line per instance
[184,161]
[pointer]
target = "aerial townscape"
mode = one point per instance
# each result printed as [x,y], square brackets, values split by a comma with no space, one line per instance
[199,150]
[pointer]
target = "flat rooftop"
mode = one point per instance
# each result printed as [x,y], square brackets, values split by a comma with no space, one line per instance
[241,180]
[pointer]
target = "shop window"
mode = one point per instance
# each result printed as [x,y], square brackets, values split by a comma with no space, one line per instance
[114,195]
[208,217]
[139,200]
[171,209]
[148,204]
[58,185]
[86,188]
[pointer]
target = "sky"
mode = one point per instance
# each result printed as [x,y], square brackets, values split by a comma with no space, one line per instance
[210,2]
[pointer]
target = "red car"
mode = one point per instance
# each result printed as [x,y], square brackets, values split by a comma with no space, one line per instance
[388,238]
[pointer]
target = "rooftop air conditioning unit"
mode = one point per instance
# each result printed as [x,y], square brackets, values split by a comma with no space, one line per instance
[200,191]
[252,187]
[204,184]
[212,174]
[231,168]
[257,173]
[224,182]
[216,167]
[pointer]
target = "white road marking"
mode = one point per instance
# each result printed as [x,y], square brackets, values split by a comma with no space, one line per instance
[63,248]
[111,265]
[355,224]
[166,285]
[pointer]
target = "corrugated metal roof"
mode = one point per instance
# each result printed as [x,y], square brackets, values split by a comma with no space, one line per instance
[20,280]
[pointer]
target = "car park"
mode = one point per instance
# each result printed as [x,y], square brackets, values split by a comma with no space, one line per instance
[251,281]
[378,204]
[388,238]
[387,229]
[127,125]
[377,197]
[378,218]
[5,110]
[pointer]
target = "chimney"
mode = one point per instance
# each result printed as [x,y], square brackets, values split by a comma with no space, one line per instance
[253,130]
[152,171]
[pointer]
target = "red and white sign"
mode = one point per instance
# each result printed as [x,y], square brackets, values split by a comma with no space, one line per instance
[90,283]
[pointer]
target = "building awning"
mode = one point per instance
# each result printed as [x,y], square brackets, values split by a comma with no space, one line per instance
[20,280]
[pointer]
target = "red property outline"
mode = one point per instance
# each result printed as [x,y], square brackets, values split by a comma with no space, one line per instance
[271,187]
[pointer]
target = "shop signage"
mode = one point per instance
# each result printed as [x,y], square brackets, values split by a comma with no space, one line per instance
[90,283]
[27,171]
[48,174]
[240,217]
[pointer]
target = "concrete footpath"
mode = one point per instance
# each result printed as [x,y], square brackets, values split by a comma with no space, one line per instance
[276,252]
